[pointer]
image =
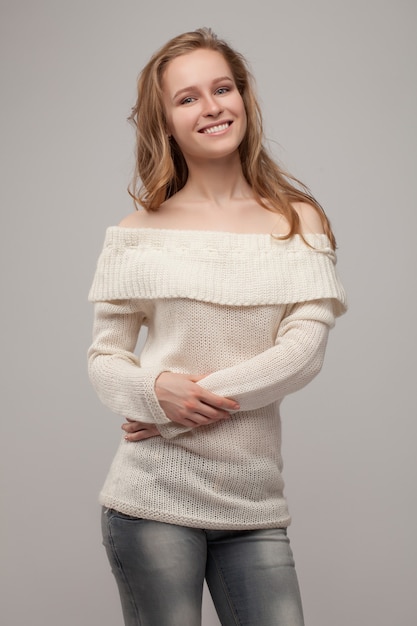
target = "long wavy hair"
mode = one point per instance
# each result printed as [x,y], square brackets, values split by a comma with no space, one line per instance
[161,169]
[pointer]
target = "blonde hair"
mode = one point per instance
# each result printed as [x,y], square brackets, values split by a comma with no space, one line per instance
[161,169]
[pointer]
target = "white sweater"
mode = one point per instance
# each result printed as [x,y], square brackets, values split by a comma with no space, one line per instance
[250,311]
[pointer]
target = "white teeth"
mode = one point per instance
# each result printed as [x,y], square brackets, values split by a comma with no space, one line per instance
[216,129]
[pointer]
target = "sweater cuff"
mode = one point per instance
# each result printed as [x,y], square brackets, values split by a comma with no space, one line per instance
[171,430]
[155,409]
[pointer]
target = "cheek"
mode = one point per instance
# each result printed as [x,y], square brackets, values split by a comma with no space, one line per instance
[171,120]
[178,124]
[239,107]
[173,128]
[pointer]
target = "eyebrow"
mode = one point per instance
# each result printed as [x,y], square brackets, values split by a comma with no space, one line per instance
[194,87]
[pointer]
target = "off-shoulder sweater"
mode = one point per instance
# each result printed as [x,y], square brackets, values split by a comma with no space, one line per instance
[251,313]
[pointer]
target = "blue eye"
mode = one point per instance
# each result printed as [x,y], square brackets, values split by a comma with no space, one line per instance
[187,100]
[222,90]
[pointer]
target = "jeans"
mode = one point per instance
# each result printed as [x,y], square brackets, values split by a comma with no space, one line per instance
[160,570]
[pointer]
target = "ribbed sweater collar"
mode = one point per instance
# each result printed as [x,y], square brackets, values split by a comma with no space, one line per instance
[215,266]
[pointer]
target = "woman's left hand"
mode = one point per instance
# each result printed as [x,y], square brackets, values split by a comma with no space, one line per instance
[138,431]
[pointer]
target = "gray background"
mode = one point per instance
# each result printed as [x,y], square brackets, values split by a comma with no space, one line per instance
[337,84]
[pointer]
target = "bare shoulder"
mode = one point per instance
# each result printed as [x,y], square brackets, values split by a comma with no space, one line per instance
[137,219]
[161,218]
[310,218]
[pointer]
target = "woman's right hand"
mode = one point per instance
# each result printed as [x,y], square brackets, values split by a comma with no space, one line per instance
[186,403]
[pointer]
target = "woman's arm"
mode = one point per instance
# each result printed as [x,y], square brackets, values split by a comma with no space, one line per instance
[129,389]
[294,360]
[115,372]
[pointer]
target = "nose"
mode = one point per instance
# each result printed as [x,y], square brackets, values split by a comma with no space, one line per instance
[212,107]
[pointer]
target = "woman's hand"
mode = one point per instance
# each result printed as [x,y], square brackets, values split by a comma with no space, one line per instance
[138,431]
[188,404]
[183,402]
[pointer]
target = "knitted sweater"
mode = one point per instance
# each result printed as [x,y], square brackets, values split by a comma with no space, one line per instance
[248,311]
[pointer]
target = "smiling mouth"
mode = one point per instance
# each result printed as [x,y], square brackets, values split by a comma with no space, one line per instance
[215,129]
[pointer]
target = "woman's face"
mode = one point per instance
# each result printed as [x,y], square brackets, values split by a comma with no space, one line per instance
[204,110]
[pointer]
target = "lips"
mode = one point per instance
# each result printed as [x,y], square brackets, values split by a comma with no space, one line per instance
[215,128]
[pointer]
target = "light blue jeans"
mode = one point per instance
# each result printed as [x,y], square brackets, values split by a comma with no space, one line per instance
[160,570]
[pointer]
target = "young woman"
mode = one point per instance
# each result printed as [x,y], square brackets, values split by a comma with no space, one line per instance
[231,269]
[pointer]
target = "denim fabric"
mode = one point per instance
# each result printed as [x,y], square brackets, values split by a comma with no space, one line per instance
[160,570]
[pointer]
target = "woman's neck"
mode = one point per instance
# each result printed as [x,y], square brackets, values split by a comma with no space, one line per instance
[217,181]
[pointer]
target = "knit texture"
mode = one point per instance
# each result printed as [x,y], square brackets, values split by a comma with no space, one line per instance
[249,312]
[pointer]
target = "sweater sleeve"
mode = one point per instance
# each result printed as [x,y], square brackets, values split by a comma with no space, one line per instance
[294,360]
[115,371]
